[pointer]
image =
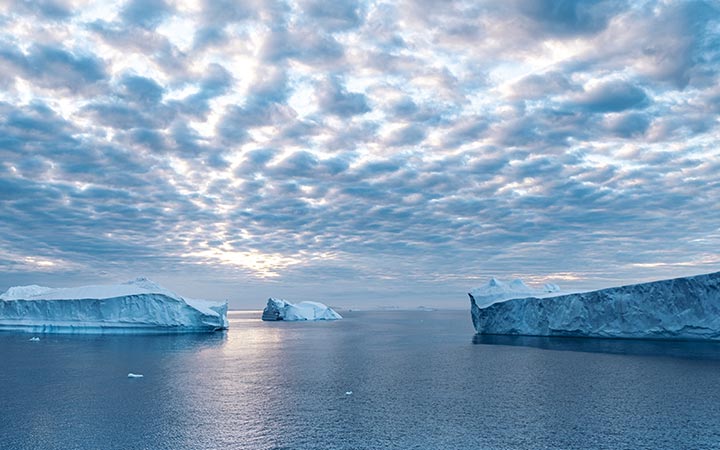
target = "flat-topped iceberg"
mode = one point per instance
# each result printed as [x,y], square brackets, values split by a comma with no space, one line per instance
[278,309]
[136,306]
[681,308]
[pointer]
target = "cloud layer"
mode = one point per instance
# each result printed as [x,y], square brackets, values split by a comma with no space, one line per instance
[364,151]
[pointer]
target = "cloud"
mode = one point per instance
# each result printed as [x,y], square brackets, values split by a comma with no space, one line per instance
[414,147]
[46,9]
[54,67]
[628,125]
[407,135]
[538,86]
[338,16]
[667,42]
[612,96]
[145,13]
[215,81]
[142,42]
[307,45]
[465,131]
[300,164]
[334,99]
[220,12]
[569,17]
[141,89]
[118,115]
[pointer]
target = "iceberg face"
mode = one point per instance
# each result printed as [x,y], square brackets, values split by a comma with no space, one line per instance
[681,308]
[278,309]
[137,306]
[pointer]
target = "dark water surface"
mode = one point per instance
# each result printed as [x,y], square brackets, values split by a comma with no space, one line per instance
[419,380]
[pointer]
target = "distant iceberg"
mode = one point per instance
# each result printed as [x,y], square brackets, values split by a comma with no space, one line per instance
[136,306]
[278,309]
[681,308]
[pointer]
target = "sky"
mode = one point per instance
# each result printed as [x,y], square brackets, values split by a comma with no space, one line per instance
[358,152]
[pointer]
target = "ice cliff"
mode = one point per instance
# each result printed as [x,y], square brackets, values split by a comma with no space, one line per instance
[137,306]
[278,309]
[681,308]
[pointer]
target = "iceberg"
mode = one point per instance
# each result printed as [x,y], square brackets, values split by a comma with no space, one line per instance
[136,306]
[680,308]
[496,291]
[278,309]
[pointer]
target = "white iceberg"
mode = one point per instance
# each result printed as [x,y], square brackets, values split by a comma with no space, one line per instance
[137,306]
[497,291]
[681,308]
[278,309]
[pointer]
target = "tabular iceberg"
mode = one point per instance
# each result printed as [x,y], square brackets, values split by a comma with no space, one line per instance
[136,306]
[278,309]
[681,308]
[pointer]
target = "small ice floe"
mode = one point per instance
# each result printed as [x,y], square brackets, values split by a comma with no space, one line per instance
[34,339]
[135,375]
[348,393]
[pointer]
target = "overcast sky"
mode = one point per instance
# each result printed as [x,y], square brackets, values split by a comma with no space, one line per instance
[358,152]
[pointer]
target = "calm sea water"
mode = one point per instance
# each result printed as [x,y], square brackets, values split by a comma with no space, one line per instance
[419,380]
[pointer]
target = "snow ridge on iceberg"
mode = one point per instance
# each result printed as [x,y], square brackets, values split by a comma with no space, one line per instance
[278,309]
[136,306]
[680,308]
[497,291]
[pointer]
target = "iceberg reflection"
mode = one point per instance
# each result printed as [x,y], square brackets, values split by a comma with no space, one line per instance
[706,350]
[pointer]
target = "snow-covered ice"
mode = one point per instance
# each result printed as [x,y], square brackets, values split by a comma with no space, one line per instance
[496,290]
[34,339]
[278,309]
[681,308]
[136,306]
[135,375]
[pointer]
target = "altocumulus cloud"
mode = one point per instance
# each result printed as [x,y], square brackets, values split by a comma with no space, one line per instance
[362,151]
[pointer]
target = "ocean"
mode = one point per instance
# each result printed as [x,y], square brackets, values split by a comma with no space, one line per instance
[375,380]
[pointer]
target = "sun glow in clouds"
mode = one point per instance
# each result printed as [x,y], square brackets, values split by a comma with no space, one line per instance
[261,265]
[39,262]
